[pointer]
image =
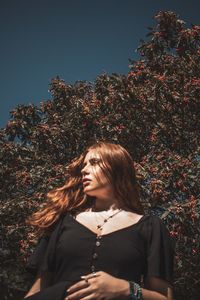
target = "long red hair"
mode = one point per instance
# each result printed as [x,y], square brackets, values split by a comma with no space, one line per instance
[117,166]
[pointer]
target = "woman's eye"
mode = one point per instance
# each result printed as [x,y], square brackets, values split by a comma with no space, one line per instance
[94,162]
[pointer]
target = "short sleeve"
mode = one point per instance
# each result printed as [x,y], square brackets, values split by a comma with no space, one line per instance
[36,258]
[160,251]
[43,257]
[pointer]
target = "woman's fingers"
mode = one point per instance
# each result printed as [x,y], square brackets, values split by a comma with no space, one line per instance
[77,286]
[91,275]
[79,294]
[89,297]
[84,288]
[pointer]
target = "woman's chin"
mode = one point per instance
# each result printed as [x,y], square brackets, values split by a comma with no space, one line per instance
[89,192]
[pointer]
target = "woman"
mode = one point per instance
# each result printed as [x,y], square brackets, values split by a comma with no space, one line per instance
[98,243]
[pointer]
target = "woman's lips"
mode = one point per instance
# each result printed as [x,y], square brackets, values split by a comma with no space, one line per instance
[86,182]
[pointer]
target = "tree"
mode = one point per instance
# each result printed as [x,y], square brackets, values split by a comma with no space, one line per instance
[152,111]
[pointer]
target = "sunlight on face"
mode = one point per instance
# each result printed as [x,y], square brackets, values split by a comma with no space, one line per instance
[95,183]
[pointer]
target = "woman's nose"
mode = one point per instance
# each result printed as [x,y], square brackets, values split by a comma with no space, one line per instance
[84,171]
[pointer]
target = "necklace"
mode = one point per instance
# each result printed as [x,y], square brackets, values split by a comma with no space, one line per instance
[100,226]
[105,220]
[99,237]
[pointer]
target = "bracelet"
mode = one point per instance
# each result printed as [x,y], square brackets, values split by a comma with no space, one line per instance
[135,291]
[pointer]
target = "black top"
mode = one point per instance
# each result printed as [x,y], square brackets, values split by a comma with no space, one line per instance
[140,250]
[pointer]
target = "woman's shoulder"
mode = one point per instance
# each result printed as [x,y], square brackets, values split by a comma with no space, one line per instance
[151,219]
[151,225]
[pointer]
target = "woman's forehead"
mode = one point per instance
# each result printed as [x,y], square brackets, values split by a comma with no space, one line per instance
[91,154]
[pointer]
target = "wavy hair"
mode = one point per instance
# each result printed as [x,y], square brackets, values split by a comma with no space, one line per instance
[117,166]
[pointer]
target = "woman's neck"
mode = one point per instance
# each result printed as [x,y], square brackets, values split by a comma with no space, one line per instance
[102,205]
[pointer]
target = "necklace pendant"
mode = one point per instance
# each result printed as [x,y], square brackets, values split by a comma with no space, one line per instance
[100,227]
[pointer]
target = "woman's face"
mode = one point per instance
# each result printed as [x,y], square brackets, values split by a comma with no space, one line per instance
[95,183]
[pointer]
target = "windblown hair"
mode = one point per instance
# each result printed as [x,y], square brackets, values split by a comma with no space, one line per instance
[117,166]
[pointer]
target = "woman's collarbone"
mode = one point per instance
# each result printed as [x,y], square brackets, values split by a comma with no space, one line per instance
[92,220]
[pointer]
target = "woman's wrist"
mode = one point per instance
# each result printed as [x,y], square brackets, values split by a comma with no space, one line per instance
[124,289]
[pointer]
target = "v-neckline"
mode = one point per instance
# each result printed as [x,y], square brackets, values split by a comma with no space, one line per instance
[109,233]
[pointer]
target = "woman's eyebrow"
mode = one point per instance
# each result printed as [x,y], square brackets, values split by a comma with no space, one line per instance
[95,158]
[91,159]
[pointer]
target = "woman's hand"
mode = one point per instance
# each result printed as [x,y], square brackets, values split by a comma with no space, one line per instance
[99,286]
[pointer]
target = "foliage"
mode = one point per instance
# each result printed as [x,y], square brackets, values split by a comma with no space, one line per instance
[152,111]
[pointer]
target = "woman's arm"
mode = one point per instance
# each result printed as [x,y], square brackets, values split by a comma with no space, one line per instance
[106,286]
[36,287]
[157,289]
[42,281]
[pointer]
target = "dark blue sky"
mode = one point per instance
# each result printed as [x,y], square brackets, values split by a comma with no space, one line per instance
[75,39]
